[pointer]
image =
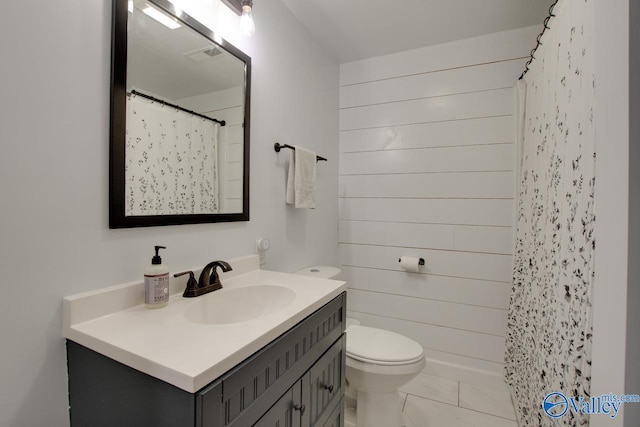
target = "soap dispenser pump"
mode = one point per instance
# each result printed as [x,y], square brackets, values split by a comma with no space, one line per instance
[156,282]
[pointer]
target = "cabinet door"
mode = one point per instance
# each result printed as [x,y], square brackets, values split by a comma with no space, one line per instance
[286,412]
[336,419]
[323,386]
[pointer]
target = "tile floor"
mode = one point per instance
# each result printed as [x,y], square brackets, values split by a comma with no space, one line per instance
[436,401]
[430,401]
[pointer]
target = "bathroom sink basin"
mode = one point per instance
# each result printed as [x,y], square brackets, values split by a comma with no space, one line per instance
[239,304]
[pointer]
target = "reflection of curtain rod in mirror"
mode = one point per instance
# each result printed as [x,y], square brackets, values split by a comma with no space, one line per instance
[177,107]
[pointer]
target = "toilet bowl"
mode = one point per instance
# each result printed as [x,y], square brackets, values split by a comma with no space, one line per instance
[378,362]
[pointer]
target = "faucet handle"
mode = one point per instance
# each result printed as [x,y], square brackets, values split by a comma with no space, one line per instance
[192,284]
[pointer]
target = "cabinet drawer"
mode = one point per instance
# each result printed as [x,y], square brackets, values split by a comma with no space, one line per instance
[241,396]
[324,385]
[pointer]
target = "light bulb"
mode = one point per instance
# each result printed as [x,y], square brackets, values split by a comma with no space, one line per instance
[246,21]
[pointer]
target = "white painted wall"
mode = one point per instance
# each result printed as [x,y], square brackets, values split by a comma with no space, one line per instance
[632,374]
[427,169]
[54,180]
[611,204]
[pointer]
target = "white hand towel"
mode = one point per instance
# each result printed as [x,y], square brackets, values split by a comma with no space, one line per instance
[301,182]
[291,192]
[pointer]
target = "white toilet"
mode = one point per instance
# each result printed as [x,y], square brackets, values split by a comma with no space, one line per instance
[379,362]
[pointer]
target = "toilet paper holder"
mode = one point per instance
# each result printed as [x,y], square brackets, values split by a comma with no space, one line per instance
[420,261]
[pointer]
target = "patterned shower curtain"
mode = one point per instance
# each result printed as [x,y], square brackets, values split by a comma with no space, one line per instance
[171,161]
[548,343]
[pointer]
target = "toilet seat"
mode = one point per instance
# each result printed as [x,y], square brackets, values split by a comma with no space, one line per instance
[383,363]
[381,347]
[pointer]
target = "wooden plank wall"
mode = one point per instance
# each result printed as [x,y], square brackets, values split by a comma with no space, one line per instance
[427,169]
[226,105]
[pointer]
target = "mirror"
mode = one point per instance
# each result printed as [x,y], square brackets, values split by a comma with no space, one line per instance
[180,102]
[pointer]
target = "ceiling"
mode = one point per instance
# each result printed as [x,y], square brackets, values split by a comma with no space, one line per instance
[176,63]
[358,29]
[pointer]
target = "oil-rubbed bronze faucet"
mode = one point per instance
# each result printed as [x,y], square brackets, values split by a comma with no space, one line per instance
[209,279]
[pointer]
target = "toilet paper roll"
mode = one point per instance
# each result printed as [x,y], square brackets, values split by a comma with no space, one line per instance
[411,264]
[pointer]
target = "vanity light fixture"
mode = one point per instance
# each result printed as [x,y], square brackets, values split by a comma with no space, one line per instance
[244,8]
[160,17]
[246,19]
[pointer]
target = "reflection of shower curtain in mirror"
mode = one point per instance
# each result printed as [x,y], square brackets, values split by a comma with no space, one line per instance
[171,161]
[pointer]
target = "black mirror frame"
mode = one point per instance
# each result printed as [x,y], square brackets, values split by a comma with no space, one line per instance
[117,218]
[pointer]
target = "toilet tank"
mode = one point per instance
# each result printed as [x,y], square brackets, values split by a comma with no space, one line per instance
[325,272]
[320,271]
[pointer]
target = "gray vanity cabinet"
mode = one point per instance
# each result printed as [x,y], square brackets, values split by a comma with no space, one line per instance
[312,401]
[336,418]
[323,386]
[286,411]
[297,380]
[312,352]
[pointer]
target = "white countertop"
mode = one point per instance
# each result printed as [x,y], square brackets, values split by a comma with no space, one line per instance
[189,355]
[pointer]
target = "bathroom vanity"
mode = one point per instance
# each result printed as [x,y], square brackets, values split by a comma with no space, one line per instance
[280,368]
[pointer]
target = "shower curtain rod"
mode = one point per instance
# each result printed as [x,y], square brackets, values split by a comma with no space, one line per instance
[533,51]
[177,107]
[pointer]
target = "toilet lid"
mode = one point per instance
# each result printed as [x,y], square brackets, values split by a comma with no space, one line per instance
[380,346]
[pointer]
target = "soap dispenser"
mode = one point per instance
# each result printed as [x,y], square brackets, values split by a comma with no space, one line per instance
[156,282]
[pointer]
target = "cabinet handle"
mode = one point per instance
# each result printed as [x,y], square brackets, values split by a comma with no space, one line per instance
[328,387]
[300,408]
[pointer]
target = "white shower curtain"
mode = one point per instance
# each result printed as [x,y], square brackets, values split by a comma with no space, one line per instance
[171,161]
[548,343]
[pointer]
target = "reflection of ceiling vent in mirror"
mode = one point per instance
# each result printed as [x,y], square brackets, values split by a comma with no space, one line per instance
[204,54]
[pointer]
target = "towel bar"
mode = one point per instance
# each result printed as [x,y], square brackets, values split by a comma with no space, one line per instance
[277,147]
